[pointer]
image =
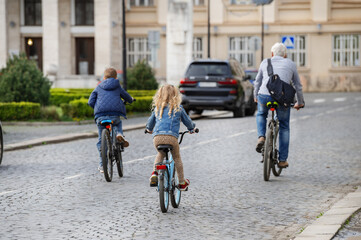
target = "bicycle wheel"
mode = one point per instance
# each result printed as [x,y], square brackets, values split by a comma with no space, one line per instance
[1,144]
[119,162]
[267,154]
[275,169]
[163,191]
[106,149]
[175,193]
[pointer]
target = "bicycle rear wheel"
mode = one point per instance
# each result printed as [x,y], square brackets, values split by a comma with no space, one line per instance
[175,193]
[106,149]
[119,162]
[163,191]
[1,144]
[275,169]
[267,154]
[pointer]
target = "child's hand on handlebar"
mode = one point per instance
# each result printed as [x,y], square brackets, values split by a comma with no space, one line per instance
[196,130]
[148,131]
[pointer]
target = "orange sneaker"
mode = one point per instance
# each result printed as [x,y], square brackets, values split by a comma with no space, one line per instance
[154,179]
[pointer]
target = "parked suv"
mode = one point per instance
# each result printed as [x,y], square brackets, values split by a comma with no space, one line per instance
[217,84]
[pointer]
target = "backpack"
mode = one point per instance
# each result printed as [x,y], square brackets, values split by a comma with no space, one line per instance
[280,91]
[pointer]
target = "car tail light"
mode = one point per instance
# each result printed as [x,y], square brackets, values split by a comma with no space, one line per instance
[233,92]
[186,81]
[161,167]
[182,91]
[229,81]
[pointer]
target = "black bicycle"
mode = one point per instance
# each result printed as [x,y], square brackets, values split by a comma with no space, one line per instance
[168,182]
[1,143]
[270,149]
[111,150]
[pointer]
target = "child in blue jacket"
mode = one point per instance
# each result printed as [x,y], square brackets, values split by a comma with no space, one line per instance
[106,99]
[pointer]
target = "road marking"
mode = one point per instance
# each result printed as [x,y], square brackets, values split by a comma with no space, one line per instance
[321,100]
[320,114]
[339,99]
[252,131]
[237,134]
[209,141]
[305,117]
[140,159]
[75,176]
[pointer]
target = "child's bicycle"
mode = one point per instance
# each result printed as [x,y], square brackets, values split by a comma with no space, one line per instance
[1,143]
[111,150]
[270,150]
[168,182]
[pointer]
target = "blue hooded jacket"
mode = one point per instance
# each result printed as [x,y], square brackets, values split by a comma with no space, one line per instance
[106,99]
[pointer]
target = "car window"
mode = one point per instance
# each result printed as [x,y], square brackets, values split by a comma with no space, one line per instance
[208,69]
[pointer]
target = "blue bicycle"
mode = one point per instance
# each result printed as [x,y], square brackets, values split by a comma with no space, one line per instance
[168,182]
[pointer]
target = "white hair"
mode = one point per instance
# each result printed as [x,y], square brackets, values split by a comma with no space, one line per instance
[279,49]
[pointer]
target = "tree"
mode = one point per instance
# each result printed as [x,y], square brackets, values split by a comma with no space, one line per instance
[21,80]
[141,77]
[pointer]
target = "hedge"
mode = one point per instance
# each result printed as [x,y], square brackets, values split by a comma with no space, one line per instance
[79,109]
[19,111]
[61,95]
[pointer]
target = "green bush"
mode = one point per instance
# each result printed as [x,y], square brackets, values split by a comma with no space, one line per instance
[19,111]
[21,80]
[49,113]
[141,77]
[59,98]
[142,104]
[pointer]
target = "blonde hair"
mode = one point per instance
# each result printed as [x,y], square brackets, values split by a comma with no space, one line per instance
[166,95]
[110,73]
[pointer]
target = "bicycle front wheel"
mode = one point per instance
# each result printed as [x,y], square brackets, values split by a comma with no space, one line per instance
[119,162]
[1,144]
[106,149]
[275,169]
[175,193]
[267,155]
[163,191]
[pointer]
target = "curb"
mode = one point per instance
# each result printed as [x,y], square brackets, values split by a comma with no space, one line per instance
[77,136]
[327,226]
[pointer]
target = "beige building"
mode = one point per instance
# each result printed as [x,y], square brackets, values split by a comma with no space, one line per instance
[74,40]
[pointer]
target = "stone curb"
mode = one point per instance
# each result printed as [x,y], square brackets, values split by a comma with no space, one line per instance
[77,136]
[327,226]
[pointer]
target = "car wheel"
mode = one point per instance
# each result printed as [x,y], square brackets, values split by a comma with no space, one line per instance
[240,111]
[198,112]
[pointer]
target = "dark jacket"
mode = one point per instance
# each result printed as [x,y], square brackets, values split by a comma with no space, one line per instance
[106,99]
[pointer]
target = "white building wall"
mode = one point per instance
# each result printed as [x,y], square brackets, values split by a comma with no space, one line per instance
[3,34]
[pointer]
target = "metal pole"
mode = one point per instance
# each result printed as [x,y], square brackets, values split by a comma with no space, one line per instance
[209,34]
[124,49]
[262,35]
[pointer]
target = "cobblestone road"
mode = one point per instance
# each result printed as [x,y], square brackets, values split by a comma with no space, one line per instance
[55,191]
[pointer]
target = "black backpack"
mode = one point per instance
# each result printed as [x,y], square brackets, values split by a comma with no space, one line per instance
[280,91]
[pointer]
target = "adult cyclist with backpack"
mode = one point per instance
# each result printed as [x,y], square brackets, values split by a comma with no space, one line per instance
[280,68]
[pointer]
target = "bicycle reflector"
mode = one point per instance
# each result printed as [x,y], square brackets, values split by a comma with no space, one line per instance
[107,126]
[161,167]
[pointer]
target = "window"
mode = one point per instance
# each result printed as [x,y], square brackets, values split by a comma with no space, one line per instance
[145,3]
[197,48]
[84,12]
[138,51]
[240,2]
[239,49]
[33,12]
[298,54]
[198,2]
[346,50]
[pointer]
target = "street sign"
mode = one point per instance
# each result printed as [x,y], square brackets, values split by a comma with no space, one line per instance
[289,41]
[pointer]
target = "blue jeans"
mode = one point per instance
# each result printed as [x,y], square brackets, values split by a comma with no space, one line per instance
[283,116]
[117,125]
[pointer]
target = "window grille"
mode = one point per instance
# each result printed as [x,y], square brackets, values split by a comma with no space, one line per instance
[138,50]
[298,54]
[239,49]
[143,3]
[346,50]
[197,48]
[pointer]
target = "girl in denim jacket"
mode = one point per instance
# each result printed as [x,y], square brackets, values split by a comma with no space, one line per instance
[164,124]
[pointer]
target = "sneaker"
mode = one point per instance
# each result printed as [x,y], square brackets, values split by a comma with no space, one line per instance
[260,144]
[100,169]
[184,186]
[283,164]
[121,139]
[154,179]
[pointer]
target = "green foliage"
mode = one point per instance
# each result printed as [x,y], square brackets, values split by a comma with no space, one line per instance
[141,77]
[59,98]
[49,113]
[21,80]
[19,111]
[142,104]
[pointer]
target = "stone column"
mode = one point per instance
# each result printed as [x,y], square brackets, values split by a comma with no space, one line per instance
[320,10]
[3,34]
[50,9]
[179,38]
[103,34]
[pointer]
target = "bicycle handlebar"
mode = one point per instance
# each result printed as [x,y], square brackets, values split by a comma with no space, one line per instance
[196,130]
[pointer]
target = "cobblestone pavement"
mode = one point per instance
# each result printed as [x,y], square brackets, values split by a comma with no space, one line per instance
[55,192]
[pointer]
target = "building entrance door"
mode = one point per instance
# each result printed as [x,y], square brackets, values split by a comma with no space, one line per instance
[34,50]
[85,56]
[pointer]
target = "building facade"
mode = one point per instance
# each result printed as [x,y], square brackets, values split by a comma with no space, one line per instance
[73,41]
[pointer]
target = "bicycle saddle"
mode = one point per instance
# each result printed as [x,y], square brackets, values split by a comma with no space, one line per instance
[165,147]
[106,122]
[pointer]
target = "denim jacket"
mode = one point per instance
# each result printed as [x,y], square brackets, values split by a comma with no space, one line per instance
[169,125]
